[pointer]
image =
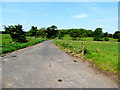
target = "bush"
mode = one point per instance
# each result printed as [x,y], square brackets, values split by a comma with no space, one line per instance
[15,46]
[106,39]
[16,32]
[51,32]
[98,34]
[118,40]
[97,39]
[87,51]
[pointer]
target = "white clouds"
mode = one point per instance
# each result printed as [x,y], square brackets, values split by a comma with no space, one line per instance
[81,16]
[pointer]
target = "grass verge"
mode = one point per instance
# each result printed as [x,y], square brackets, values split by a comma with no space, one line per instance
[103,54]
[8,46]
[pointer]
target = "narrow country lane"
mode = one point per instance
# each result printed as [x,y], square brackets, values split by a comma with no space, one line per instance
[42,65]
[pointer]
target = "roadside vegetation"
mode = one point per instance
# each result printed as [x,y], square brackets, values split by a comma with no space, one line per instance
[9,46]
[100,47]
[103,54]
[14,38]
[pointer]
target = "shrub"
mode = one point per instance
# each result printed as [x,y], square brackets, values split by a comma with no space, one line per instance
[15,46]
[118,40]
[106,39]
[97,39]
[98,34]
[16,33]
[87,51]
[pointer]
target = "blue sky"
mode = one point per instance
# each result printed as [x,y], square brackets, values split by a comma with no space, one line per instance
[88,15]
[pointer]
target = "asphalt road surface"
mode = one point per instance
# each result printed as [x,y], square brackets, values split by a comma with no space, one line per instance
[46,66]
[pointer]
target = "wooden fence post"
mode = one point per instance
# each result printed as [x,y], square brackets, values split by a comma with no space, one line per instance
[83,48]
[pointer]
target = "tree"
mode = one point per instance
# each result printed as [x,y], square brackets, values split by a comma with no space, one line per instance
[32,31]
[116,34]
[110,35]
[3,32]
[118,38]
[41,32]
[82,32]
[65,31]
[105,34]
[74,33]
[51,32]
[16,32]
[60,34]
[89,33]
[98,34]
[106,39]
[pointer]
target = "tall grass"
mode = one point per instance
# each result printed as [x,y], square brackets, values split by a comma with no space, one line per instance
[103,54]
[6,39]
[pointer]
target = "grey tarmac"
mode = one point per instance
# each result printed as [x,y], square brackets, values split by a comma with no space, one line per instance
[46,66]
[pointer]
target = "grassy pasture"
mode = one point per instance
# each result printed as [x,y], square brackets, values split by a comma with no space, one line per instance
[9,46]
[6,39]
[67,37]
[103,54]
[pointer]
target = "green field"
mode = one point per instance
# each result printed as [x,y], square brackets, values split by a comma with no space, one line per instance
[67,37]
[9,46]
[103,54]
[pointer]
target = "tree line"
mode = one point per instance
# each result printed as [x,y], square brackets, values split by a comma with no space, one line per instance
[18,35]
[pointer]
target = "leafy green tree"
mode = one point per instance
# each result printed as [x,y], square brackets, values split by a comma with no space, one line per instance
[60,34]
[16,32]
[65,31]
[110,35]
[74,33]
[3,32]
[33,31]
[116,34]
[105,34]
[106,39]
[118,38]
[98,34]
[82,32]
[89,33]
[77,33]
[41,33]
[51,32]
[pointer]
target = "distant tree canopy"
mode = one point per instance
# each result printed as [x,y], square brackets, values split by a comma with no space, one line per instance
[105,34]
[51,32]
[74,33]
[78,33]
[110,35]
[65,31]
[116,35]
[61,34]
[89,33]
[32,31]
[41,32]
[3,32]
[118,38]
[98,34]
[16,32]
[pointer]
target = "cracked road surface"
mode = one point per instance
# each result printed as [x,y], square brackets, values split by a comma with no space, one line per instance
[42,65]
